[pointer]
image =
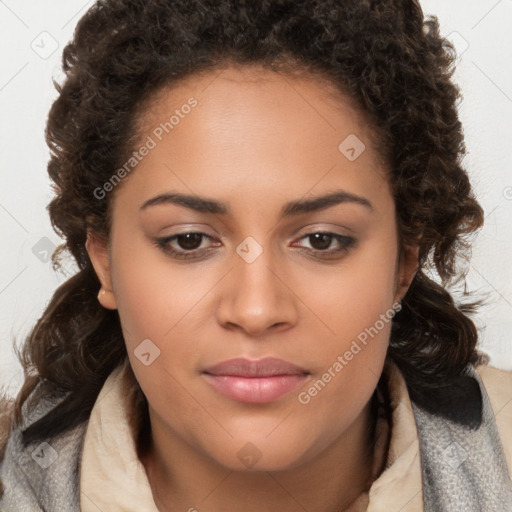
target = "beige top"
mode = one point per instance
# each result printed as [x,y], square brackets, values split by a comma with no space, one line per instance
[113,478]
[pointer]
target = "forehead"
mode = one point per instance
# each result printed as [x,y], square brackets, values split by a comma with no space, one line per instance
[255,130]
[245,85]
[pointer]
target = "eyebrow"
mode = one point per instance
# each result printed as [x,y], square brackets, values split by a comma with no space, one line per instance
[292,208]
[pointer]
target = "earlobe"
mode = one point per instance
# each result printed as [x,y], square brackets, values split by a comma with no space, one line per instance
[98,254]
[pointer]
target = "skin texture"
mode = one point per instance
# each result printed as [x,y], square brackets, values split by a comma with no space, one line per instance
[255,141]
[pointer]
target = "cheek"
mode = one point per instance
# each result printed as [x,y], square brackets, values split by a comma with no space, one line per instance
[157,302]
[348,369]
[352,296]
[358,311]
[153,295]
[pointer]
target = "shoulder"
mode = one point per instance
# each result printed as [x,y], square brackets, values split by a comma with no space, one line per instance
[6,421]
[31,472]
[498,386]
[463,437]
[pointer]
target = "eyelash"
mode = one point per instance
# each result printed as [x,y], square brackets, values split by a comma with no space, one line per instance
[346,243]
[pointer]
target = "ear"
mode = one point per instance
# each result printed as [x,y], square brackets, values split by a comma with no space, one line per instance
[98,253]
[407,268]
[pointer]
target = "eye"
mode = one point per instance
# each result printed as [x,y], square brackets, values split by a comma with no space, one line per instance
[322,240]
[188,245]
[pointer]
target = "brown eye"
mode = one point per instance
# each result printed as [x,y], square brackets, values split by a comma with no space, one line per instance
[184,245]
[189,241]
[188,245]
[321,241]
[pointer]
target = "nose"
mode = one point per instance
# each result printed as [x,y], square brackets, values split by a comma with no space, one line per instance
[256,297]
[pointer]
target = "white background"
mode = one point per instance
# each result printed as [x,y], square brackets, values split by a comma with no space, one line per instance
[31,30]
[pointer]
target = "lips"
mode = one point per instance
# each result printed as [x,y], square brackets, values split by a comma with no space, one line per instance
[268,367]
[250,381]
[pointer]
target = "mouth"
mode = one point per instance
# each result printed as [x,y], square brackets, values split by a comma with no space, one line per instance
[260,381]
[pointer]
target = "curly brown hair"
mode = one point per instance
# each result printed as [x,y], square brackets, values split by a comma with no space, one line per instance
[382,54]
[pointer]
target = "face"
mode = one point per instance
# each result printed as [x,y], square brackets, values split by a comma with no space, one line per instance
[221,249]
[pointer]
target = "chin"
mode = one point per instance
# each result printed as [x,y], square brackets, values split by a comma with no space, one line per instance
[259,454]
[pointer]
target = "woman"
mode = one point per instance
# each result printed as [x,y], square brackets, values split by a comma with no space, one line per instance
[211,354]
